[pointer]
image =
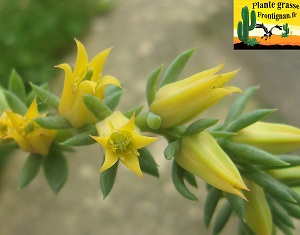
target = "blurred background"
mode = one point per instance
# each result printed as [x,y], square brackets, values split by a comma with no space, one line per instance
[36,35]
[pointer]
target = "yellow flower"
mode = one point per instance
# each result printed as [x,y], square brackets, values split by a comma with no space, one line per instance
[27,133]
[121,140]
[272,137]
[257,212]
[202,156]
[179,102]
[86,79]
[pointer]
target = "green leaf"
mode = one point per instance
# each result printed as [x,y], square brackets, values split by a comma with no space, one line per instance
[291,208]
[210,204]
[221,134]
[30,169]
[177,179]
[107,179]
[15,103]
[112,96]
[248,119]
[147,162]
[135,111]
[280,213]
[54,122]
[250,154]
[153,121]
[237,204]
[279,224]
[56,169]
[46,96]
[151,86]
[16,85]
[96,106]
[175,68]
[30,97]
[200,125]
[81,139]
[239,104]
[190,178]
[222,218]
[268,183]
[172,149]
[3,101]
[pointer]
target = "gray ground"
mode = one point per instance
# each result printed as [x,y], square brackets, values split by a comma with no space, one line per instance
[145,34]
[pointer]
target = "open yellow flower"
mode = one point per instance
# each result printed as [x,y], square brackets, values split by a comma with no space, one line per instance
[179,102]
[121,140]
[86,79]
[272,137]
[202,156]
[27,133]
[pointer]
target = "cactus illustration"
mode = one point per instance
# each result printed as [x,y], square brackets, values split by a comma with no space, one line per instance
[286,30]
[243,28]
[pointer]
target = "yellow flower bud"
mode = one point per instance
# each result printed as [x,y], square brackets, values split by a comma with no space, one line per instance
[121,140]
[179,102]
[27,133]
[86,79]
[257,212]
[272,137]
[202,156]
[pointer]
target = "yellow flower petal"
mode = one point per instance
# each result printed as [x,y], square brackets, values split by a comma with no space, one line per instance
[110,160]
[32,112]
[81,61]
[97,63]
[140,141]
[101,140]
[131,162]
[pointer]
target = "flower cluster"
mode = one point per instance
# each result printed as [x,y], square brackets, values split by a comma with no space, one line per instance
[246,163]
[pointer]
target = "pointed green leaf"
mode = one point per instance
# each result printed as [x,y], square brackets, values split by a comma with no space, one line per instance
[16,85]
[15,103]
[81,139]
[46,96]
[135,111]
[177,179]
[172,149]
[96,106]
[221,134]
[268,183]
[251,155]
[279,224]
[210,204]
[112,96]
[190,178]
[280,213]
[222,218]
[248,119]
[56,169]
[107,179]
[151,86]
[175,68]
[30,97]
[200,125]
[291,208]
[55,122]
[239,104]
[147,162]
[30,169]
[153,121]
[3,101]
[237,204]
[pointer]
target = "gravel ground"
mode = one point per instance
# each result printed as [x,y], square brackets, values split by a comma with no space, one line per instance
[145,34]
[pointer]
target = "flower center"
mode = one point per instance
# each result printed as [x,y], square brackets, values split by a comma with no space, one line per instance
[120,142]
